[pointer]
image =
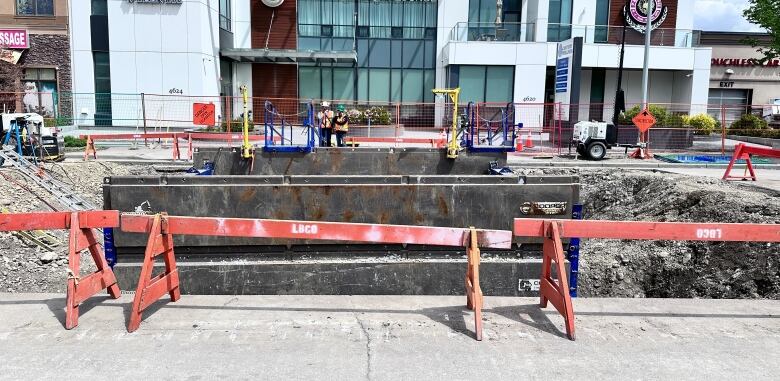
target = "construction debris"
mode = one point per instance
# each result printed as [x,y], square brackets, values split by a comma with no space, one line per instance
[607,267]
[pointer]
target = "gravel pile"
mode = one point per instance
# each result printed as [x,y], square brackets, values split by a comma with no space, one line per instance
[677,269]
[608,268]
[25,266]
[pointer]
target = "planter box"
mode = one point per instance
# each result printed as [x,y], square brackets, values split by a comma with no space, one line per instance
[660,138]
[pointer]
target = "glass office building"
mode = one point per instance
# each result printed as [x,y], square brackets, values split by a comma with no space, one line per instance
[394,42]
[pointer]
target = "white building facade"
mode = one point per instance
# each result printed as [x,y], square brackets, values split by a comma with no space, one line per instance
[374,50]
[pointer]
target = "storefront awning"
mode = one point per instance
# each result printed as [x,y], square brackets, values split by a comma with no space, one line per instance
[288,56]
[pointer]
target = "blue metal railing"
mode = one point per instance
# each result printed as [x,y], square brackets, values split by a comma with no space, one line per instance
[277,127]
[502,128]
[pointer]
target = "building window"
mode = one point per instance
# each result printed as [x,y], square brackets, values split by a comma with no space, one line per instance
[224,15]
[484,25]
[40,91]
[99,7]
[35,7]
[602,20]
[494,84]
[102,68]
[559,28]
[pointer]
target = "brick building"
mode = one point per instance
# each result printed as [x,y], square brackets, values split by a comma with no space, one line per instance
[35,54]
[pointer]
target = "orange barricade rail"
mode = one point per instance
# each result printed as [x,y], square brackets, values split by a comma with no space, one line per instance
[553,230]
[81,237]
[162,228]
[743,152]
[175,136]
[434,142]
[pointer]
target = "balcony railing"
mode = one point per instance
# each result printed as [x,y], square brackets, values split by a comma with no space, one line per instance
[592,34]
[605,34]
[485,31]
[365,31]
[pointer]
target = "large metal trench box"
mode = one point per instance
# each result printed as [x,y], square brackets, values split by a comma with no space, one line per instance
[488,202]
[406,186]
[350,161]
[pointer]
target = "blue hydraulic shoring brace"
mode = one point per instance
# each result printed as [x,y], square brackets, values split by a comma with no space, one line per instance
[467,140]
[109,250]
[573,254]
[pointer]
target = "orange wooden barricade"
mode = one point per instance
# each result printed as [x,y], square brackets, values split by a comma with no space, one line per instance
[81,237]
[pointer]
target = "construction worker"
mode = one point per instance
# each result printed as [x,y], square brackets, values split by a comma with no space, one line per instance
[341,125]
[326,124]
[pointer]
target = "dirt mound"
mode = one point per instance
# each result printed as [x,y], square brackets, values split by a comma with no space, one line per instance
[25,266]
[677,269]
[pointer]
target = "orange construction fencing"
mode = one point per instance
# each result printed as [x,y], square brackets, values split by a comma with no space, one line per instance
[162,228]
[552,231]
[82,237]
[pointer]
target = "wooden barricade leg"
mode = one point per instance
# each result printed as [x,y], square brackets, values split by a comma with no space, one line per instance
[749,165]
[151,289]
[176,152]
[189,146]
[474,297]
[556,292]
[81,289]
[739,154]
[90,149]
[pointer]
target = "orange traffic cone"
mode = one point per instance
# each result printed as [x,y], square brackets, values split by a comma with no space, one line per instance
[529,143]
[519,146]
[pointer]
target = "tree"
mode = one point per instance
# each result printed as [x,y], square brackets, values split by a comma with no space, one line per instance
[766,14]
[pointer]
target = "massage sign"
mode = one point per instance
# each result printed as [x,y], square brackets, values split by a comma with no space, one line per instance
[14,39]
[637,10]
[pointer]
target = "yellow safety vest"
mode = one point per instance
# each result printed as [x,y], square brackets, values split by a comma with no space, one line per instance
[345,126]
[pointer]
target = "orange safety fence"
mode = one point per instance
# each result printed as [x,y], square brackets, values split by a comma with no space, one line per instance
[162,228]
[82,237]
[745,152]
[552,231]
[174,138]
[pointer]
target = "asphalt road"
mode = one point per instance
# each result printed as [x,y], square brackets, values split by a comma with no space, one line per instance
[388,338]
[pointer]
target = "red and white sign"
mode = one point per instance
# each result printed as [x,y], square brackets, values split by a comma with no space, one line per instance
[742,62]
[14,39]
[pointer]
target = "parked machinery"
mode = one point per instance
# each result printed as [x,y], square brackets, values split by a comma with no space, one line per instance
[26,134]
[593,139]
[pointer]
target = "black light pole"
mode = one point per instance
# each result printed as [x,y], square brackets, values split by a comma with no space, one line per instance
[620,96]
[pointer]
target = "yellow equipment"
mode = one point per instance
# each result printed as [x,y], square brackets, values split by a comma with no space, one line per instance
[453,146]
[247,151]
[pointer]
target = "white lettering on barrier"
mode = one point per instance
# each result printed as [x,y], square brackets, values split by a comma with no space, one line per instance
[304,229]
[709,233]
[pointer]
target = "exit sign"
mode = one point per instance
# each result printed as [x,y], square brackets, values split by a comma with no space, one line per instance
[726,84]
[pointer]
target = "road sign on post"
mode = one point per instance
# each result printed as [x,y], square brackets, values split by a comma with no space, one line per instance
[644,120]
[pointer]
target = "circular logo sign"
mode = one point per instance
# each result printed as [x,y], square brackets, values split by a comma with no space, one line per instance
[637,10]
[273,3]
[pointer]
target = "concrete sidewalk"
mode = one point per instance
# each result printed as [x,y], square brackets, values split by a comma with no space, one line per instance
[388,338]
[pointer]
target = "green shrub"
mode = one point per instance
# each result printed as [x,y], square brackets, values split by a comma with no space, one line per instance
[72,141]
[58,121]
[704,124]
[749,125]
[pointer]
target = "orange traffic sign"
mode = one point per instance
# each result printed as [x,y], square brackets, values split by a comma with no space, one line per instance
[203,114]
[644,120]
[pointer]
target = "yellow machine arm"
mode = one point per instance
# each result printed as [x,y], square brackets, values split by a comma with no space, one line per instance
[453,146]
[246,148]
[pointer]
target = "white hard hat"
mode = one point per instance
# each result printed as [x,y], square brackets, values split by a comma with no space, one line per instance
[325,104]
